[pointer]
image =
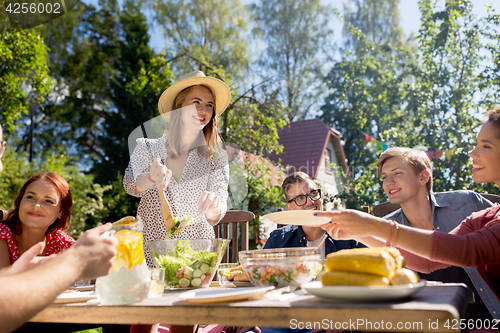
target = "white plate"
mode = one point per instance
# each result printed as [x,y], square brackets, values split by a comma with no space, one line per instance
[236,284]
[297,217]
[84,288]
[75,297]
[362,293]
[224,295]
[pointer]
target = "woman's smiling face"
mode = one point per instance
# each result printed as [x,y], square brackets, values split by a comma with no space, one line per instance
[40,205]
[203,100]
[486,155]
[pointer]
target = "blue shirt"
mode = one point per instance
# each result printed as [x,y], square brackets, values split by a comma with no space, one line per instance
[293,236]
[449,209]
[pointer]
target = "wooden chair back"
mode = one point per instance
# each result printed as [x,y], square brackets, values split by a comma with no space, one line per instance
[385,208]
[234,218]
[491,197]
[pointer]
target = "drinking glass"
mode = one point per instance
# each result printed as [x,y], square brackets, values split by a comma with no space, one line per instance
[157,285]
[222,272]
[128,280]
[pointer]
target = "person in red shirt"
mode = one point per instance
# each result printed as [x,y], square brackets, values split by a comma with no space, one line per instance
[20,284]
[41,213]
[474,243]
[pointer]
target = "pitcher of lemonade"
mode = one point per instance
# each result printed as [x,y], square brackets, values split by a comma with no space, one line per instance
[128,279]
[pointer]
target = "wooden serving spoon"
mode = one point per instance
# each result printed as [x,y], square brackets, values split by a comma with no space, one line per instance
[166,211]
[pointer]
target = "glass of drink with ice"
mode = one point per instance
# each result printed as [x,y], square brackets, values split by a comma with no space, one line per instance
[128,280]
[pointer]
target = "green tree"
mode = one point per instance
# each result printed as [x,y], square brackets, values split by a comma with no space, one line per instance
[71,117]
[263,197]
[490,76]
[378,20]
[368,93]
[89,208]
[24,75]
[212,31]
[140,77]
[296,36]
[450,47]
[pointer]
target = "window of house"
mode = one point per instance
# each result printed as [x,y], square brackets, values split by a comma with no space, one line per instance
[328,161]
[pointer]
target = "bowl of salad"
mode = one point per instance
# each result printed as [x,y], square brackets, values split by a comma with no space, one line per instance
[188,263]
[281,267]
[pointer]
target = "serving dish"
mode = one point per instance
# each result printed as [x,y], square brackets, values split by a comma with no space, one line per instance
[280,267]
[224,295]
[362,293]
[75,297]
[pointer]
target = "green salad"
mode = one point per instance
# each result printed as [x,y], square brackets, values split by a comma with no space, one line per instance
[179,225]
[186,268]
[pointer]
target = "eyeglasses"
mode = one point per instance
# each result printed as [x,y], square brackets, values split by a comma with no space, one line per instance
[301,200]
[3,144]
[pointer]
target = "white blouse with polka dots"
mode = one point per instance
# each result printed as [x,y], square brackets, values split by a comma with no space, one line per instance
[198,175]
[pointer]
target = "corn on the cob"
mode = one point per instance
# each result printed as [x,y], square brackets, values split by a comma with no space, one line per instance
[359,279]
[404,276]
[398,258]
[375,261]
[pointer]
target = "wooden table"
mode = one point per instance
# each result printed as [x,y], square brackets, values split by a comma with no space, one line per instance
[427,311]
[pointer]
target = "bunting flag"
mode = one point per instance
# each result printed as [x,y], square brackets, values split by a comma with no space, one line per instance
[448,154]
[383,146]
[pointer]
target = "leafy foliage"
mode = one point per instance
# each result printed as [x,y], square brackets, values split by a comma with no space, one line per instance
[210,31]
[263,195]
[89,208]
[24,75]
[297,41]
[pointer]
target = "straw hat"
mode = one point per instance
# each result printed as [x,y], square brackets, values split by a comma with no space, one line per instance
[219,89]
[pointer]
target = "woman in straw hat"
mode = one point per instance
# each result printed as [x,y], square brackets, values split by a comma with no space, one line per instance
[187,161]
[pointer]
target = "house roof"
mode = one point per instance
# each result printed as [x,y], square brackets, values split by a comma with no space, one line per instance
[304,143]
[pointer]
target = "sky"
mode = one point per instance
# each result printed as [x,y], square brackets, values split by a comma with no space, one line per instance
[409,12]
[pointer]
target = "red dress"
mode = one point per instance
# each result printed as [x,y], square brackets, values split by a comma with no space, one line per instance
[56,242]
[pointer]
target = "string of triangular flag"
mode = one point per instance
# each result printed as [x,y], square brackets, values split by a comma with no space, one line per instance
[383,146]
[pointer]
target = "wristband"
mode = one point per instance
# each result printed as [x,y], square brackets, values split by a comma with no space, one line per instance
[396,237]
[388,243]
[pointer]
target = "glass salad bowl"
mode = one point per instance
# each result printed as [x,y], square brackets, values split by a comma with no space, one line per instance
[281,267]
[188,263]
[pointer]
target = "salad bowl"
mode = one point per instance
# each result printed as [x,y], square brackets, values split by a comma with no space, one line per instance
[281,267]
[188,263]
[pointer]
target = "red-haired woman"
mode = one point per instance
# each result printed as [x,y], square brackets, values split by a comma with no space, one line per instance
[42,211]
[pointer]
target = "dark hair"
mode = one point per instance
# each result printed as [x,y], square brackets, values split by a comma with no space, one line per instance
[62,187]
[493,116]
[292,179]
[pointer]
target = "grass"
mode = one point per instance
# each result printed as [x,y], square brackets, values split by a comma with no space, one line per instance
[93,330]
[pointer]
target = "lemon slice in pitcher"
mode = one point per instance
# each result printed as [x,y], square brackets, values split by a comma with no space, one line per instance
[132,241]
[123,258]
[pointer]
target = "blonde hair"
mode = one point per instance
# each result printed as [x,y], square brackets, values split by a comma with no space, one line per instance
[211,147]
[418,160]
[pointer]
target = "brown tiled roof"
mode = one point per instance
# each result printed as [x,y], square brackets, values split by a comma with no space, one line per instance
[303,145]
